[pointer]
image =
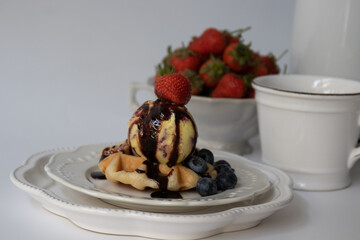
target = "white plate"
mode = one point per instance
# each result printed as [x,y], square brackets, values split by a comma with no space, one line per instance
[73,169]
[95,215]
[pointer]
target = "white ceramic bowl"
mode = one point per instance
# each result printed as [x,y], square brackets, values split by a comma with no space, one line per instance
[223,124]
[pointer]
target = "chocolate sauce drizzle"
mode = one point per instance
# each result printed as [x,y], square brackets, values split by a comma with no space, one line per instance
[98,175]
[166,194]
[150,115]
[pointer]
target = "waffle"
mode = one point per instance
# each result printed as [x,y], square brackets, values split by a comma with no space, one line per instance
[133,170]
[120,167]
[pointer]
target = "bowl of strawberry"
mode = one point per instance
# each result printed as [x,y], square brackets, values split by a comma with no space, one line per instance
[220,67]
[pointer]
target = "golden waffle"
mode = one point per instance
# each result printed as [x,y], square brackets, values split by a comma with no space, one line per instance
[122,168]
[132,170]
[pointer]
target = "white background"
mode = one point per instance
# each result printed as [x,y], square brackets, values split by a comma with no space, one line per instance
[65,66]
[65,69]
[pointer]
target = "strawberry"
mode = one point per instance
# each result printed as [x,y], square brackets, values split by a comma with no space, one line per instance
[229,38]
[234,36]
[211,41]
[259,70]
[173,87]
[197,83]
[269,62]
[251,93]
[238,56]
[183,58]
[212,70]
[230,86]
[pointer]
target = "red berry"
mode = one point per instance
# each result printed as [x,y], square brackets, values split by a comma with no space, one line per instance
[233,40]
[173,87]
[234,36]
[269,62]
[238,56]
[211,41]
[197,83]
[251,93]
[230,86]
[212,70]
[258,70]
[183,59]
[229,38]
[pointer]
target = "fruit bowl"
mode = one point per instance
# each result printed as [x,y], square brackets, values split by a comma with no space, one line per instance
[223,123]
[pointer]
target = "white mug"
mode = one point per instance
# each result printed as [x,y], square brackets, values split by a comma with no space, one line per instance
[309,127]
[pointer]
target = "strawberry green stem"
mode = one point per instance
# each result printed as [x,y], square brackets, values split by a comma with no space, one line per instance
[285,69]
[241,30]
[281,55]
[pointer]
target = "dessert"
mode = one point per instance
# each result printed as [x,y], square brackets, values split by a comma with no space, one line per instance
[160,150]
[163,132]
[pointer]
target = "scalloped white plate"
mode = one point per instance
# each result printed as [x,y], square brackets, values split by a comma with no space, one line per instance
[95,215]
[74,168]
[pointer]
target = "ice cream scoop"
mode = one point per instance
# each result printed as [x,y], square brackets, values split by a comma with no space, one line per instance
[162,132]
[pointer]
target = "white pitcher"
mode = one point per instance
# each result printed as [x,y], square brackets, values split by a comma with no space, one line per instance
[326,38]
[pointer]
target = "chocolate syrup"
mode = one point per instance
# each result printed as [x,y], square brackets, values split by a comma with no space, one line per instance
[98,175]
[166,194]
[153,172]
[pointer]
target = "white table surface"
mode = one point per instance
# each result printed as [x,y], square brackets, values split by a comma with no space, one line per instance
[64,75]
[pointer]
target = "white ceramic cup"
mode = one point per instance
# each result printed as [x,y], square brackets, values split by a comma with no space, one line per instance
[222,123]
[309,126]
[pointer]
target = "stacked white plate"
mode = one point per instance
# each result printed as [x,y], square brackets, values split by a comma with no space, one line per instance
[61,181]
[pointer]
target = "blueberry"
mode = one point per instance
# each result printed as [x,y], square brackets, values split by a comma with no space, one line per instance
[226,180]
[206,187]
[222,165]
[224,168]
[197,164]
[221,162]
[186,161]
[207,155]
